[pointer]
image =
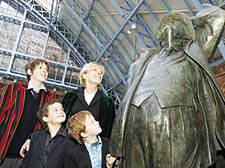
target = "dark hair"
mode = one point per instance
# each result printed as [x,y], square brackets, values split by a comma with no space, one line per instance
[76,125]
[44,111]
[32,65]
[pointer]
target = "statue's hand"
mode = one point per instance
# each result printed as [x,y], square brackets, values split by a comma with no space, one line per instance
[118,163]
[207,14]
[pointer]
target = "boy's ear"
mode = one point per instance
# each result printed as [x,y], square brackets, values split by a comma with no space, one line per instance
[45,119]
[29,72]
[83,134]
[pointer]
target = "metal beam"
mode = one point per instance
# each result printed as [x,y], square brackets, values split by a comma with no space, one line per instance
[93,52]
[93,36]
[216,62]
[115,21]
[16,44]
[121,28]
[221,47]
[189,7]
[128,22]
[148,31]
[197,4]
[151,12]
[82,23]
[46,22]
[85,18]
[100,31]
[165,5]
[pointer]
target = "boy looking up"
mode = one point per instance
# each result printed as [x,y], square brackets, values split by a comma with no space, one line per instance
[87,149]
[19,105]
[48,145]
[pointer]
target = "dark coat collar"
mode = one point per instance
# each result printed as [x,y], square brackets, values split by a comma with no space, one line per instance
[62,131]
[80,95]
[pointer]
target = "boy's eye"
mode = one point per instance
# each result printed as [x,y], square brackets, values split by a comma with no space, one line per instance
[43,68]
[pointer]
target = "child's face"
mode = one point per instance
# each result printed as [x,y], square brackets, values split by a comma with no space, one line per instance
[92,126]
[56,114]
[40,72]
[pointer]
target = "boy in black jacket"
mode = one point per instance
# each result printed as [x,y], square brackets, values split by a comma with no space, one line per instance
[86,149]
[48,145]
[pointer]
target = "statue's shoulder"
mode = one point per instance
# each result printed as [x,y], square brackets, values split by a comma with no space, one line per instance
[145,55]
[137,66]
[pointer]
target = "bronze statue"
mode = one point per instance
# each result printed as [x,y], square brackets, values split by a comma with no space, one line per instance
[173,113]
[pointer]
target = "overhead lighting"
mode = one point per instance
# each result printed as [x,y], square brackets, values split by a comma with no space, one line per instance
[107,58]
[133,26]
[129,31]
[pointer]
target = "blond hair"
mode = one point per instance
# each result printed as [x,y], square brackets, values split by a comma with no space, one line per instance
[76,125]
[85,69]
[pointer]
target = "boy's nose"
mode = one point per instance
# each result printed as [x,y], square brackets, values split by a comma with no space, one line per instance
[62,112]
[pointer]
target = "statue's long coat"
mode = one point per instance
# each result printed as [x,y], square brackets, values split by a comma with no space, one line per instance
[173,114]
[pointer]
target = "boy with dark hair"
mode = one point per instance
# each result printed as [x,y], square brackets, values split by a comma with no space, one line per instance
[19,105]
[48,145]
[86,149]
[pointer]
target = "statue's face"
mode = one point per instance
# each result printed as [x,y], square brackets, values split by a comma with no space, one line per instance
[172,36]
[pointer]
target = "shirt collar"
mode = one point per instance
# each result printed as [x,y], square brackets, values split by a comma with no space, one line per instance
[94,144]
[30,86]
[62,131]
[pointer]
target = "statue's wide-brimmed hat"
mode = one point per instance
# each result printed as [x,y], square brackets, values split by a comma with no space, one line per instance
[176,17]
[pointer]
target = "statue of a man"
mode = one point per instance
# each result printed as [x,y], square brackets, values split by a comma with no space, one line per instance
[173,114]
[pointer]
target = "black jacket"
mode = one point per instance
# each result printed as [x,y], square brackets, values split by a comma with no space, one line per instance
[77,155]
[106,108]
[55,154]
